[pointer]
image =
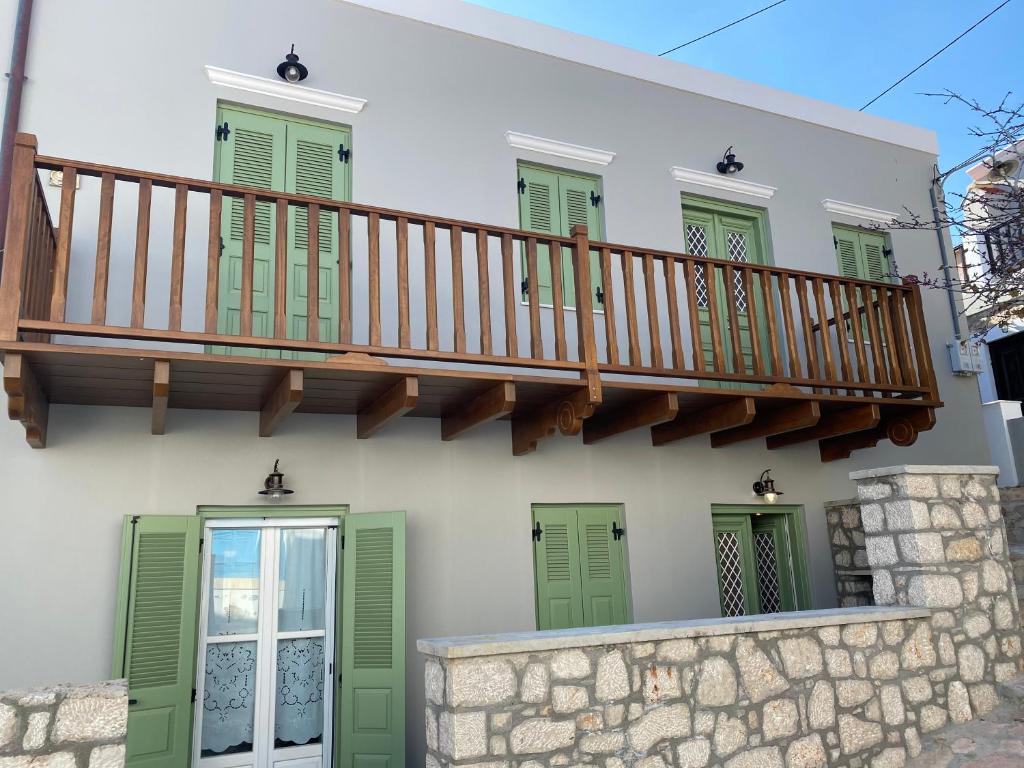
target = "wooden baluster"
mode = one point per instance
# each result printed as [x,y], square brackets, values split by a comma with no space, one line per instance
[888,335]
[557,298]
[248,263]
[753,321]
[653,321]
[508,277]
[607,287]
[770,327]
[483,279]
[344,276]
[62,257]
[141,254]
[313,272]
[430,283]
[18,236]
[629,294]
[373,265]
[281,268]
[402,254]
[897,296]
[795,370]
[824,337]
[587,345]
[458,302]
[881,373]
[714,321]
[178,256]
[840,326]
[533,296]
[101,275]
[813,364]
[857,331]
[672,296]
[213,248]
[738,363]
[693,317]
[920,335]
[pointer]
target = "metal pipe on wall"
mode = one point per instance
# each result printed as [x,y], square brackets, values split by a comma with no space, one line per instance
[954,312]
[12,110]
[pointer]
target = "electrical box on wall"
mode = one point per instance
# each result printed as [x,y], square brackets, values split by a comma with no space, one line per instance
[965,357]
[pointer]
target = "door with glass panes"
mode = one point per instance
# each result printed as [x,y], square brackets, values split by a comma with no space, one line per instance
[270,151]
[717,230]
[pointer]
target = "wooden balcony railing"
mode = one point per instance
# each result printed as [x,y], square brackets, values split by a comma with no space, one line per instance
[450,294]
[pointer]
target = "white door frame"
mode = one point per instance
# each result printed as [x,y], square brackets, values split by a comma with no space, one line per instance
[263,754]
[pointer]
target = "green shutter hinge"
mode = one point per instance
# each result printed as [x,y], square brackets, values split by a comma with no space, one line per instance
[537,531]
[525,286]
[344,154]
[599,295]
[521,185]
[342,541]
[835,241]
[193,695]
[617,533]
[887,252]
[223,131]
[595,200]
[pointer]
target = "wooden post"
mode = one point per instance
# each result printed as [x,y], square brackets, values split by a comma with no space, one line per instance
[17,243]
[585,311]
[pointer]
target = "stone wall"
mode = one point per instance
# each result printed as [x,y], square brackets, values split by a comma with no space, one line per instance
[66,726]
[849,555]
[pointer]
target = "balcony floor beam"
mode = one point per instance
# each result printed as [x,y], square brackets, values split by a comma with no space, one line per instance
[397,401]
[286,398]
[787,419]
[728,415]
[495,402]
[26,401]
[654,410]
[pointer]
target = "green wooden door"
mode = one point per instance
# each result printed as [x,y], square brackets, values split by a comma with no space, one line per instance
[580,567]
[371,716]
[552,202]
[734,558]
[716,230]
[268,151]
[155,636]
[773,561]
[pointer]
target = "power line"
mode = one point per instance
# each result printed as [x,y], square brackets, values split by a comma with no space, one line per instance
[730,24]
[943,48]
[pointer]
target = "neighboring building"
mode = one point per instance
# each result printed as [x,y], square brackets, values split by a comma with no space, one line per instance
[147,287]
[995,244]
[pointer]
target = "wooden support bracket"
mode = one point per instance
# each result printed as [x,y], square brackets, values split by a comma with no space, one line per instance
[787,419]
[734,413]
[832,424]
[286,397]
[26,402]
[901,428]
[397,401]
[161,393]
[654,410]
[496,402]
[566,415]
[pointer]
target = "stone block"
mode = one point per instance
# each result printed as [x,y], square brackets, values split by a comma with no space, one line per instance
[829,636]
[36,730]
[821,706]
[993,576]
[860,635]
[921,547]
[716,683]
[539,734]
[109,756]
[463,735]
[480,682]
[873,491]
[893,757]
[801,657]
[661,683]
[882,588]
[52,760]
[764,757]
[935,591]
[536,682]
[430,721]
[761,680]
[973,515]
[907,515]
[983,698]
[433,682]
[694,753]
[872,518]
[8,724]
[666,722]
[807,752]
[850,693]
[881,550]
[603,743]
[932,718]
[958,702]
[677,650]
[91,717]
[884,666]
[945,517]
[893,710]
[730,734]
[970,663]
[856,735]
[963,550]
[949,486]
[569,698]
[779,719]
[570,665]
[612,677]
[589,721]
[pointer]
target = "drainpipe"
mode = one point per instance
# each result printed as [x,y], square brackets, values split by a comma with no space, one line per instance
[954,312]
[12,110]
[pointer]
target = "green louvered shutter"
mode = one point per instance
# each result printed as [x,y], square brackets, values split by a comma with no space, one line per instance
[252,155]
[602,567]
[876,263]
[314,168]
[861,254]
[539,212]
[579,203]
[155,636]
[847,245]
[371,715]
[557,568]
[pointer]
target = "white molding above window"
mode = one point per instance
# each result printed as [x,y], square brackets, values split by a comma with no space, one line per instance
[281,90]
[559,148]
[721,181]
[859,211]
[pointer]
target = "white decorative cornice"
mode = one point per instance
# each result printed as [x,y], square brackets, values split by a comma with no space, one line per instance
[282,90]
[859,211]
[559,148]
[721,181]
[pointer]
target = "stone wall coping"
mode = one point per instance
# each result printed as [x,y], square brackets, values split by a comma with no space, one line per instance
[109,689]
[926,469]
[548,640]
[840,503]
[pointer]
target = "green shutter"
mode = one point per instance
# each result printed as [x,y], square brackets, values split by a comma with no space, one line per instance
[876,265]
[557,568]
[372,703]
[155,636]
[861,254]
[539,211]
[602,567]
[576,207]
[847,253]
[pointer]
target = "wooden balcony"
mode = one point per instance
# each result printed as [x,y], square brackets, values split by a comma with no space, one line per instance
[435,319]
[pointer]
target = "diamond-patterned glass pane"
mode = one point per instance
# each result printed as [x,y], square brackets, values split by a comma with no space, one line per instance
[767,572]
[731,573]
[697,240]
[736,243]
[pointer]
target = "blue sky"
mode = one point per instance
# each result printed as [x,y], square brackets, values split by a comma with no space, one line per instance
[842,51]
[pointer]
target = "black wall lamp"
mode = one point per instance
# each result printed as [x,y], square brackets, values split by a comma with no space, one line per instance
[765,488]
[728,163]
[290,69]
[273,486]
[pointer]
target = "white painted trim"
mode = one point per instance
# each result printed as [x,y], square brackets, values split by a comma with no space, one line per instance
[859,211]
[559,148]
[279,89]
[721,181]
[529,35]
